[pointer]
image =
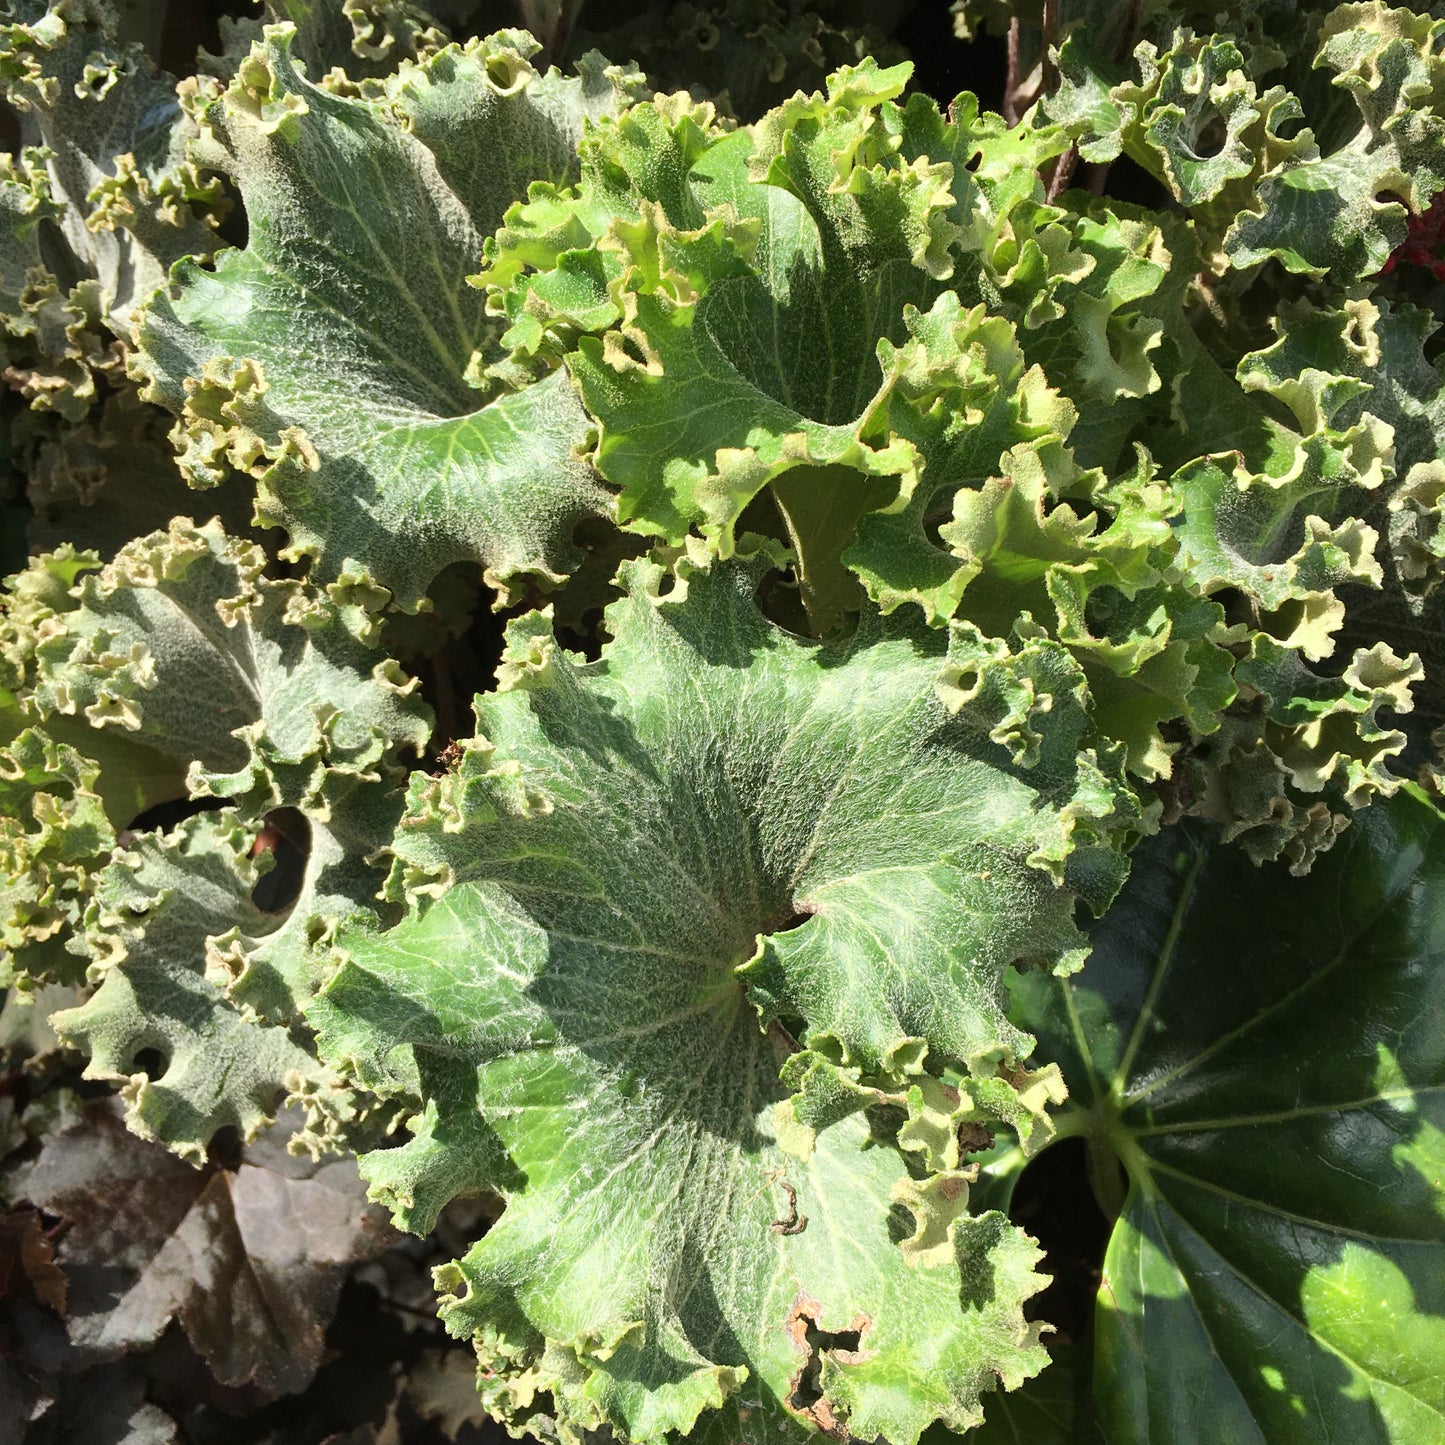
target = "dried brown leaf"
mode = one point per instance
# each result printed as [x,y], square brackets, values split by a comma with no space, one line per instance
[27,1260]
[250,1261]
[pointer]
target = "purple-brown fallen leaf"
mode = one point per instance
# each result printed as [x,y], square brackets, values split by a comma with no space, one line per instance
[33,1347]
[249,1261]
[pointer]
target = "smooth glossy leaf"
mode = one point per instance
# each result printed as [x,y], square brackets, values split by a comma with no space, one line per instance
[1266,1057]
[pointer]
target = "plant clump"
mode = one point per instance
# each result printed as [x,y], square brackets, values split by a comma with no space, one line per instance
[722,660]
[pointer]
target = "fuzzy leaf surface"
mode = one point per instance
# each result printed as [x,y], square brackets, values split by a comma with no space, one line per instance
[108,153]
[335,357]
[864,314]
[1233,153]
[639,858]
[193,954]
[754,307]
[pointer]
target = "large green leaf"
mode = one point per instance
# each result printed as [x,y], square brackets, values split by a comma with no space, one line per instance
[181,667]
[1266,1056]
[645,860]
[158,910]
[752,307]
[788,308]
[296,702]
[338,357]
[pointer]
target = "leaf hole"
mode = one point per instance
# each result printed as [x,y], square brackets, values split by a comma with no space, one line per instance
[455,647]
[1210,139]
[901,1224]
[151,1062]
[580,609]
[286,836]
[940,511]
[225,1148]
[806,1393]
[1237,607]
[631,349]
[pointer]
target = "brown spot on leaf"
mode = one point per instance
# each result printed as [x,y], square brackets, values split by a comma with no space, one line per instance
[792,1222]
[951,1186]
[805,1392]
[972,1137]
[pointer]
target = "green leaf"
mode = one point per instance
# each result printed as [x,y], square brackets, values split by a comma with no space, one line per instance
[1344,211]
[740,308]
[1299,540]
[637,1273]
[1118,339]
[337,357]
[765,309]
[1189,113]
[304,730]
[149,927]
[54,341]
[1286,541]
[364,38]
[111,478]
[1043,1412]
[190,613]
[1383,348]
[1192,115]
[1266,1057]
[769,363]
[639,857]
[54,829]
[108,145]
[53,835]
